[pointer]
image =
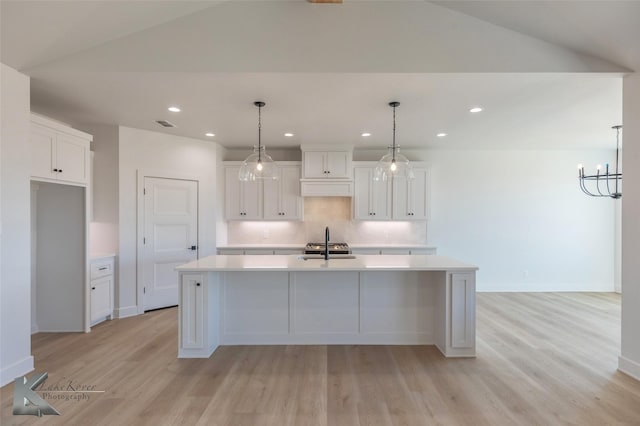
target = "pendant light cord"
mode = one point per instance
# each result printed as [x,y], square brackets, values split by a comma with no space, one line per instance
[259,133]
[394,134]
[617,153]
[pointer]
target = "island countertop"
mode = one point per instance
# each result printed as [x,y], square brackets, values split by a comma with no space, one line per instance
[294,263]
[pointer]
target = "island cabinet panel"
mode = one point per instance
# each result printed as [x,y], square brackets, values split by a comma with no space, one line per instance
[386,310]
[462,317]
[255,302]
[192,313]
[326,303]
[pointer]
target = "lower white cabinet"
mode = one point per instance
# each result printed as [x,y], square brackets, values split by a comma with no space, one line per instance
[101,287]
[394,250]
[192,313]
[260,251]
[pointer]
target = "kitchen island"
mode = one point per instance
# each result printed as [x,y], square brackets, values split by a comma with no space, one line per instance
[363,299]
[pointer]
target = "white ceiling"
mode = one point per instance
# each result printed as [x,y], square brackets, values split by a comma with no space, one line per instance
[326,72]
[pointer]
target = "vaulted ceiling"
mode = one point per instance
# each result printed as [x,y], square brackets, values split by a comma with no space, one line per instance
[547,73]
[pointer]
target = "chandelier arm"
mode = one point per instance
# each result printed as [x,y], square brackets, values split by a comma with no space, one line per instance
[607,170]
[584,188]
[598,184]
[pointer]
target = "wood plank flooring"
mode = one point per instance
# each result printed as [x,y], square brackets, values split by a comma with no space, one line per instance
[543,359]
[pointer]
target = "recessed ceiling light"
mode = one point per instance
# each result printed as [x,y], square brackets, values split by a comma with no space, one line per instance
[174,109]
[365,134]
[475,109]
[441,135]
[209,134]
[289,135]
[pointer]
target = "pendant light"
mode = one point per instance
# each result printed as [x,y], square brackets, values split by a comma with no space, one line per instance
[258,165]
[393,164]
[611,182]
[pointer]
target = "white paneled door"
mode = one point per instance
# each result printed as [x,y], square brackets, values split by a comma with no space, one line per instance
[170,237]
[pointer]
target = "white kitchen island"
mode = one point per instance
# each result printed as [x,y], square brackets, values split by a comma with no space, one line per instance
[369,299]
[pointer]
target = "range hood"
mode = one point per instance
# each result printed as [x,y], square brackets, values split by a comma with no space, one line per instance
[326,171]
[325,188]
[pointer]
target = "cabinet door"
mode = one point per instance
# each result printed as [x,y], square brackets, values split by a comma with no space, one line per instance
[463,315]
[362,194]
[251,193]
[337,165]
[272,198]
[290,199]
[371,199]
[232,196]
[101,298]
[192,315]
[42,149]
[419,190]
[72,158]
[314,164]
[411,197]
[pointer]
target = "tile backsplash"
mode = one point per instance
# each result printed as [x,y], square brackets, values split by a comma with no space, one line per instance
[334,212]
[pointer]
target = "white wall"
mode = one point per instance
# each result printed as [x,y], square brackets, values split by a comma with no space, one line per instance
[160,153]
[15,265]
[104,223]
[629,360]
[520,216]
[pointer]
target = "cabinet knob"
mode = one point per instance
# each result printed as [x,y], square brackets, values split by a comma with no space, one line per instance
[55,170]
[59,170]
[93,288]
[197,284]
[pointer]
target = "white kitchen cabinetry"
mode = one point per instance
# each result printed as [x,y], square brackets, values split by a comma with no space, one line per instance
[411,197]
[192,311]
[281,197]
[102,285]
[243,200]
[397,199]
[327,164]
[394,250]
[58,152]
[372,200]
[260,251]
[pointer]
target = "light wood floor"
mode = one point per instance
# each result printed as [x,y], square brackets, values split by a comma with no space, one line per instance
[543,359]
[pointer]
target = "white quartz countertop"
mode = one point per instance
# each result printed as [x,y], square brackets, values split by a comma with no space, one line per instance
[296,263]
[301,246]
[98,256]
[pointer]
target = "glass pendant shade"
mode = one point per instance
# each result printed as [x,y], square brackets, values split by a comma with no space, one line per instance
[393,165]
[258,165]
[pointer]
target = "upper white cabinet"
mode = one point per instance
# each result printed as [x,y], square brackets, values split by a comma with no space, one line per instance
[327,164]
[397,199]
[243,200]
[58,152]
[282,199]
[372,200]
[411,197]
[269,200]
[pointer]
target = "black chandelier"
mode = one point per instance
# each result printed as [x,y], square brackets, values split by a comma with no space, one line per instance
[608,180]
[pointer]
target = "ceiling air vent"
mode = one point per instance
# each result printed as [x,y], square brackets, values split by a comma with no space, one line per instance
[165,123]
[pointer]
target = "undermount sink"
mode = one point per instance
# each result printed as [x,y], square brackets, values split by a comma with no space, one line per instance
[331,257]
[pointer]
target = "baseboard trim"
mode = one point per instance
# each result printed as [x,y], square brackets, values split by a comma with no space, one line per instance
[629,367]
[17,369]
[129,311]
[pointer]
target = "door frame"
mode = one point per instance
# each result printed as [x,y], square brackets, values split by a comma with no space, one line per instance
[141,174]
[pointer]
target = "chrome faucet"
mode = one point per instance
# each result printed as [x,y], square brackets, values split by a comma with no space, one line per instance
[326,243]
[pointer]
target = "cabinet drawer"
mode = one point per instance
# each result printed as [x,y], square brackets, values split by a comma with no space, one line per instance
[101,268]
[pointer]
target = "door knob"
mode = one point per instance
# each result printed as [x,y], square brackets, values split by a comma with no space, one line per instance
[192,248]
